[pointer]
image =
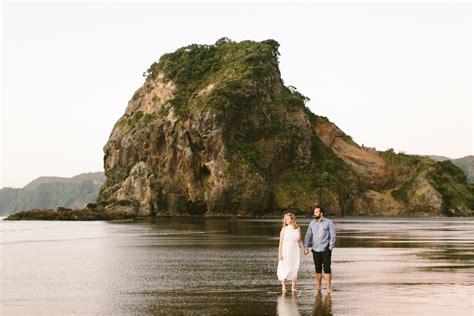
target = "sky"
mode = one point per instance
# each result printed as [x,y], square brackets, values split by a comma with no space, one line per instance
[391,75]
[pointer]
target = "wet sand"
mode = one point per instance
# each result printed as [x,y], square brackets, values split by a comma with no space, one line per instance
[381,266]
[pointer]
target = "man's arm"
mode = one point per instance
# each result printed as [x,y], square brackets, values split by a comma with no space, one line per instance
[300,240]
[332,233]
[308,239]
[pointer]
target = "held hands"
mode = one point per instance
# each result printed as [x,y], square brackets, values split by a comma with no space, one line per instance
[306,251]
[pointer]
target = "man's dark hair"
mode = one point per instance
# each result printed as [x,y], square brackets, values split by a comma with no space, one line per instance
[322,210]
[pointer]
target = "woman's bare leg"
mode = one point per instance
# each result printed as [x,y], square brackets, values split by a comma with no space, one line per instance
[293,285]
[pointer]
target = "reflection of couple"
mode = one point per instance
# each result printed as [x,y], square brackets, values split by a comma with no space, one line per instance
[321,236]
[288,306]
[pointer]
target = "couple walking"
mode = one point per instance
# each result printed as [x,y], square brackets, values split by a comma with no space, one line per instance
[321,236]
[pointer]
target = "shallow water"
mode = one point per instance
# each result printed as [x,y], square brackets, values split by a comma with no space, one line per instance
[381,266]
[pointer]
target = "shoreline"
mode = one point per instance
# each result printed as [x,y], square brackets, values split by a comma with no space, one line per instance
[62,214]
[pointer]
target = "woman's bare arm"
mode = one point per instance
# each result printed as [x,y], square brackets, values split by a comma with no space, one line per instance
[280,256]
[300,241]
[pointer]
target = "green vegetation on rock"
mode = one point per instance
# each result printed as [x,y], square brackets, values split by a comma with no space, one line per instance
[450,181]
[234,71]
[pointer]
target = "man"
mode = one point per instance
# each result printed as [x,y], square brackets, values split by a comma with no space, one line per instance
[321,235]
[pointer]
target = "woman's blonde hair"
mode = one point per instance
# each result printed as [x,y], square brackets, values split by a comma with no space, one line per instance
[293,217]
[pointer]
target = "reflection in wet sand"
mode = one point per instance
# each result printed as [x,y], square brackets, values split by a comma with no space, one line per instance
[323,307]
[287,305]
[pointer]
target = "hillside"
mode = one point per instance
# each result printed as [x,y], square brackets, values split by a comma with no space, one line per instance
[465,163]
[51,192]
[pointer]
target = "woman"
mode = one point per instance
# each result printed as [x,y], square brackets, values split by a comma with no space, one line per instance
[289,252]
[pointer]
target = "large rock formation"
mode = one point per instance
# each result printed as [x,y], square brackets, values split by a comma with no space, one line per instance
[214,130]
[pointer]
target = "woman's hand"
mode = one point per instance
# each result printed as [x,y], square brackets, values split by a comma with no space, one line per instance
[280,257]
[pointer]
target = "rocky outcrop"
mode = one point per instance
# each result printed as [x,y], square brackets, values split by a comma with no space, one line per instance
[65,214]
[227,139]
[398,184]
[371,169]
[213,131]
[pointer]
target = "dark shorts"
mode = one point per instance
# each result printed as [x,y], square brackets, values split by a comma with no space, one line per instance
[322,259]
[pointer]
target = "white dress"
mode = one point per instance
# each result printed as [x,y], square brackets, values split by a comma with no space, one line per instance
[288,267]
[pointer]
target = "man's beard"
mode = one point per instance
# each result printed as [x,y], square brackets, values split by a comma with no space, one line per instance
[317,216]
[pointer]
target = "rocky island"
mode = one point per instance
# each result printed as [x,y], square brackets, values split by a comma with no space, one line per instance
[214,131]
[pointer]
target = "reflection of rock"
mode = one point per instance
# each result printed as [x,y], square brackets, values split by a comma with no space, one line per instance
[287,305]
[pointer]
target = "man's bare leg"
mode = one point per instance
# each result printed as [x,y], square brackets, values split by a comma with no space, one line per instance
[327,276]
[319,277]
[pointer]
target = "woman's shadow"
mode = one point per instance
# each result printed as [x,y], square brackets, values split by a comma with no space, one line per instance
[322,307]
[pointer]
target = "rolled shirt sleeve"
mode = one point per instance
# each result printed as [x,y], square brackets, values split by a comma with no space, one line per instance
[332,235]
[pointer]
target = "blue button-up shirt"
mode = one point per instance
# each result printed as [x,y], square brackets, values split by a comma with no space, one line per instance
[320,235]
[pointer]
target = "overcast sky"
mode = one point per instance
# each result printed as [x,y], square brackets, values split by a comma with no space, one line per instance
[390,75]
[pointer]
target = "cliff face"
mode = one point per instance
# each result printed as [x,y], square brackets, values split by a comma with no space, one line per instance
[389,184]
[214,131]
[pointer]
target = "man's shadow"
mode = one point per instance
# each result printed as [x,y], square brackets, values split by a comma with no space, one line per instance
[322,307]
